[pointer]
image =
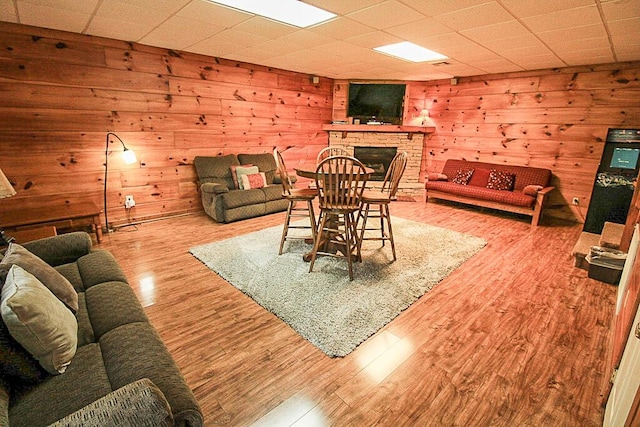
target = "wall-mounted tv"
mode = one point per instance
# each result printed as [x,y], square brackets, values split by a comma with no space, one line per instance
[381,102]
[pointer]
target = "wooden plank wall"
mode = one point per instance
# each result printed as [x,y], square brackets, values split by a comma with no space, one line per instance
[557,119]
[60,93]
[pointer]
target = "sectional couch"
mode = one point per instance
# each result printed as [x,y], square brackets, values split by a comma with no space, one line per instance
[512,188]
[226,198]
[111,368]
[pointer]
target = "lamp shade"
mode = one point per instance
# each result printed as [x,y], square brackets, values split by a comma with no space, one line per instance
[6,189]
[129,156]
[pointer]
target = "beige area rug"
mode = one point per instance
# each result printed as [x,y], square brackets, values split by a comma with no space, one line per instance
[323,306]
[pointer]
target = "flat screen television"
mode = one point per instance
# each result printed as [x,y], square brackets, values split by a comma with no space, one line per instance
[381,102]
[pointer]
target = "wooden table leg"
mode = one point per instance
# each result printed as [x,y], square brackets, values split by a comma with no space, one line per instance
[97,228]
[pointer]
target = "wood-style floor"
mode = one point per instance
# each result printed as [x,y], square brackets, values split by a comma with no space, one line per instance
[515,337]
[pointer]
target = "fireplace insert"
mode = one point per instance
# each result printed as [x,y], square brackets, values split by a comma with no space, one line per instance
[377,158]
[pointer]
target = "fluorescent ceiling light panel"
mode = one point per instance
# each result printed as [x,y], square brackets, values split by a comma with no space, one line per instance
[410,52]
[291,12]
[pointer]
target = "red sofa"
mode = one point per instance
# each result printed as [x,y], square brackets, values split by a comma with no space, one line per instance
[526,194]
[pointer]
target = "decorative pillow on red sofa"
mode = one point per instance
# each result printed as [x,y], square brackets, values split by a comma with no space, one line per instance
[462,176]
[480,177]
[499,180]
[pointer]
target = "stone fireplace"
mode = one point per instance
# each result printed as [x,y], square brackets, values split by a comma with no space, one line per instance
[356,138]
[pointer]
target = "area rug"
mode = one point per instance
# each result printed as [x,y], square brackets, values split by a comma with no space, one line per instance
[323,306]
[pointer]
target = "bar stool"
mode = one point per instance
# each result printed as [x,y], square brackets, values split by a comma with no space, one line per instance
[340,181]
[375,203]
[295,195]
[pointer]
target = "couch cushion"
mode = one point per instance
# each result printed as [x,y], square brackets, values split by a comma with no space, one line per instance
[46,274]
[238,198]
[38,320]
[214,166]
[85,330]
[525,175]
[265,162]
[135,351]
[71,273]
[273,193]
[98,267]
[110,305]
[57,396]
[507,197]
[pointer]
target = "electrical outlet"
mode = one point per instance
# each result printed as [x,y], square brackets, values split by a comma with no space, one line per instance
[575,201]
[129,202]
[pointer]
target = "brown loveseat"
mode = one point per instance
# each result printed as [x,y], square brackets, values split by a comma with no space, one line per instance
[470,182]
[121,372]
[224,201]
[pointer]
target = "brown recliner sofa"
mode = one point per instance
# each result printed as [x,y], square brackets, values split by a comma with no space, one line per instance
[121,371]
[221,198]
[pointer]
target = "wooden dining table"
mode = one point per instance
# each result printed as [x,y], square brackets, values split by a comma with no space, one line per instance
[310,171]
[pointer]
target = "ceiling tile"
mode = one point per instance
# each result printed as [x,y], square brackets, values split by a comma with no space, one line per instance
[343,7]
[571,44]
[8,12]
[521,42]
[85,7]
[433,8]
[113,16]
[419,30]
[214,47]
[341,28]
[206,11]
[617,10]
[164,6]
[564,19]
[573,33]
[49,17]
[502,30]
[524,9]
[265,27]
[384,15]
[172,33]
[595,55]
[303,39]
[477,16]
[374,39]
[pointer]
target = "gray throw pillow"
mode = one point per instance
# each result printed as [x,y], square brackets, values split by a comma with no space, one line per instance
[38,320]
[46,274]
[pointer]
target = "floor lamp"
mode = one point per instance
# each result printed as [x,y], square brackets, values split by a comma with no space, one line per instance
[128,156]
[6,190]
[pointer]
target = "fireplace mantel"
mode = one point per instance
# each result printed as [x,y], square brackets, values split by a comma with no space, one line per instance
[378,128]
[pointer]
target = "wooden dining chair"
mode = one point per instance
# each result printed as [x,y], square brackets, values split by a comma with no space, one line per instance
[340,181]
[294,210]
[329,152]
[375,204]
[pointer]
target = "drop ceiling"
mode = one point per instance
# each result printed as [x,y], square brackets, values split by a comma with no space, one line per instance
[478,36]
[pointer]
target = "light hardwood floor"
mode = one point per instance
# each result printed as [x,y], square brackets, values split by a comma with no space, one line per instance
[515,337]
